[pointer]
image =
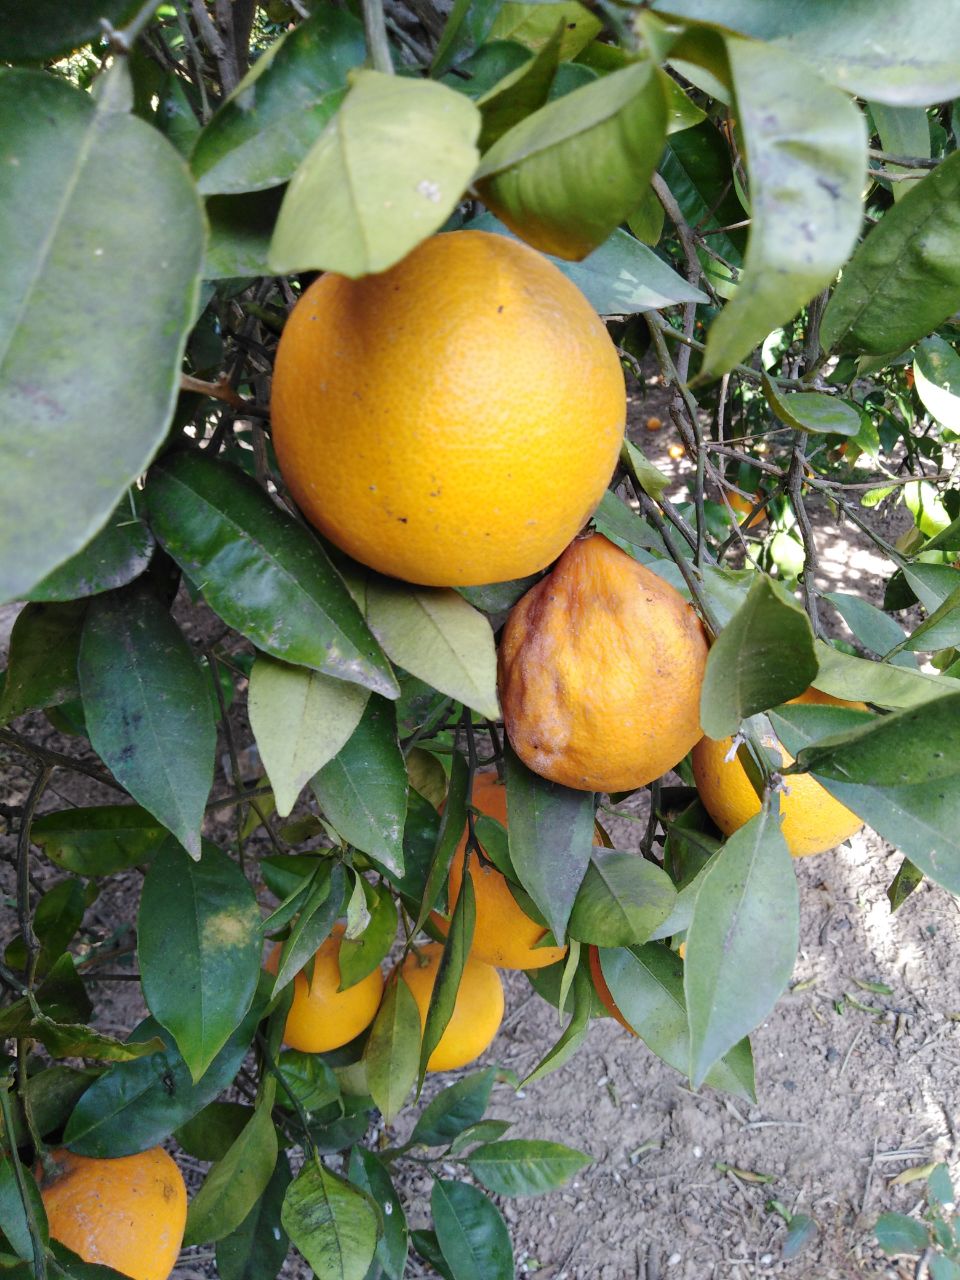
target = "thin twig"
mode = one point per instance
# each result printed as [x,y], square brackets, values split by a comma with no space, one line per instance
[904,162]
[808,579]
[56,760]
[221,390]
[376,32]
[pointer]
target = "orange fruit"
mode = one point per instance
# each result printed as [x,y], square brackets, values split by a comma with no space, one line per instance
[128,1213]
[477,1012]
[600,668]
[454,420]
[603,991]
[744,506]
[503,933]
[813,821]
[654,424]
[322,1017]
[676,452]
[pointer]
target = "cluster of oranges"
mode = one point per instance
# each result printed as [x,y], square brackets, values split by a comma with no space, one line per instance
[454,421]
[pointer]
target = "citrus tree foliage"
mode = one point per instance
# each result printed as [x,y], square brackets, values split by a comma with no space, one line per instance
[763,200]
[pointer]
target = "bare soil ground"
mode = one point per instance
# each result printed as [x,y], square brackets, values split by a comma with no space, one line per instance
[848,1096]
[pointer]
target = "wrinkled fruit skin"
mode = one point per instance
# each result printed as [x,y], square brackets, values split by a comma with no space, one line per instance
[452,421]
[477,1012]
[600,668]
[503,935]
[813,821]
[128,1213]
[322,1017]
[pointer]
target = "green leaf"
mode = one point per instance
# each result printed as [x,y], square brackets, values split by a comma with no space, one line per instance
[16,1226]
[806,160]
[310,1079]
[211,1133]
[566,176]
[257,1248]
[936,371]
[101,280]
[904,131]
[436,635]
[622,900]
[742,941]
[904,279]
[918,745]
[941,630]
[909,65]
[413,139]
[370,1175]
[646,221]
[762,657]
[518,1167]
[427,1246]
[896,1233]
[42,670]
[198,943]
[696,167]
[148,708]
[521,92]
[136,1105]
[99,840]
[301,720]
[234,1185]
[875,629]
[75,1040]
[621,277]
[482,1131]
[392,1052]
[466,28]
[57,917]
[260,570]
[281,106]
[812,410]
[801,1231]
[472,1235]
[574,1033]
[534,24]
[361,955]
[907,879]
[454,1109]
[363,790]
[44,31]
[647,987]
[317,917]
[922,821]
[456,952]
[119,553]
[61,996]
[240,232]
[332,1223]
[860,679]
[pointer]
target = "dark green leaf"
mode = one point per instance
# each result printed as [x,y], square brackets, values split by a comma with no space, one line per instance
[334,216]
[257,1248]
[696,167]
[57,917]
[454,1109]
[448,833]
[199,946]
[574,1033]
[16,1225]
[806,153]
[235,1184]
[742,941]
[148,708]
[61,996]
[332,1223]
[941,630]
[520,92]
[279,109]
[119,553]
[896,1233]
[812,410]
[211,1133]
[362,954]
[518,1167]
[905,277]
[456,952]
[260,570]
[762,657]
[427,1246]
[136,1105]
[314,923]
[568,175]
[96,301]
[471,1233]
[368,1173]
[76,1040]
[906,66]
[466,28]
[904,131]
[99,840]
[54,1092]
[42,670]
[551,834]
[647,987]
[875,629]
[310,1079]
[43,31]
[482,1131]
[240,231]
[622,900]
[392,1051]
[363,791]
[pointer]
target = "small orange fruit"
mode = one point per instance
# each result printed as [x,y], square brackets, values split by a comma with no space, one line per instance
[654,424]
[676,452]
[453,420]
[813,821]
[477,1012]
[127,1213]
[744,506]
[503,935]
[600,668]
[322,1017]
[603,991]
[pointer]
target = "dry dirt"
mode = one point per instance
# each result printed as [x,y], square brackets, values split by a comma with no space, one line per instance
[847,1097]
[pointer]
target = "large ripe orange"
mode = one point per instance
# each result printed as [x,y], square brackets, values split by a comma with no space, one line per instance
[322,1017]
[600,668]
[128,1213]
[454,420]
[503,934]
[813,821]
[477,1012]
